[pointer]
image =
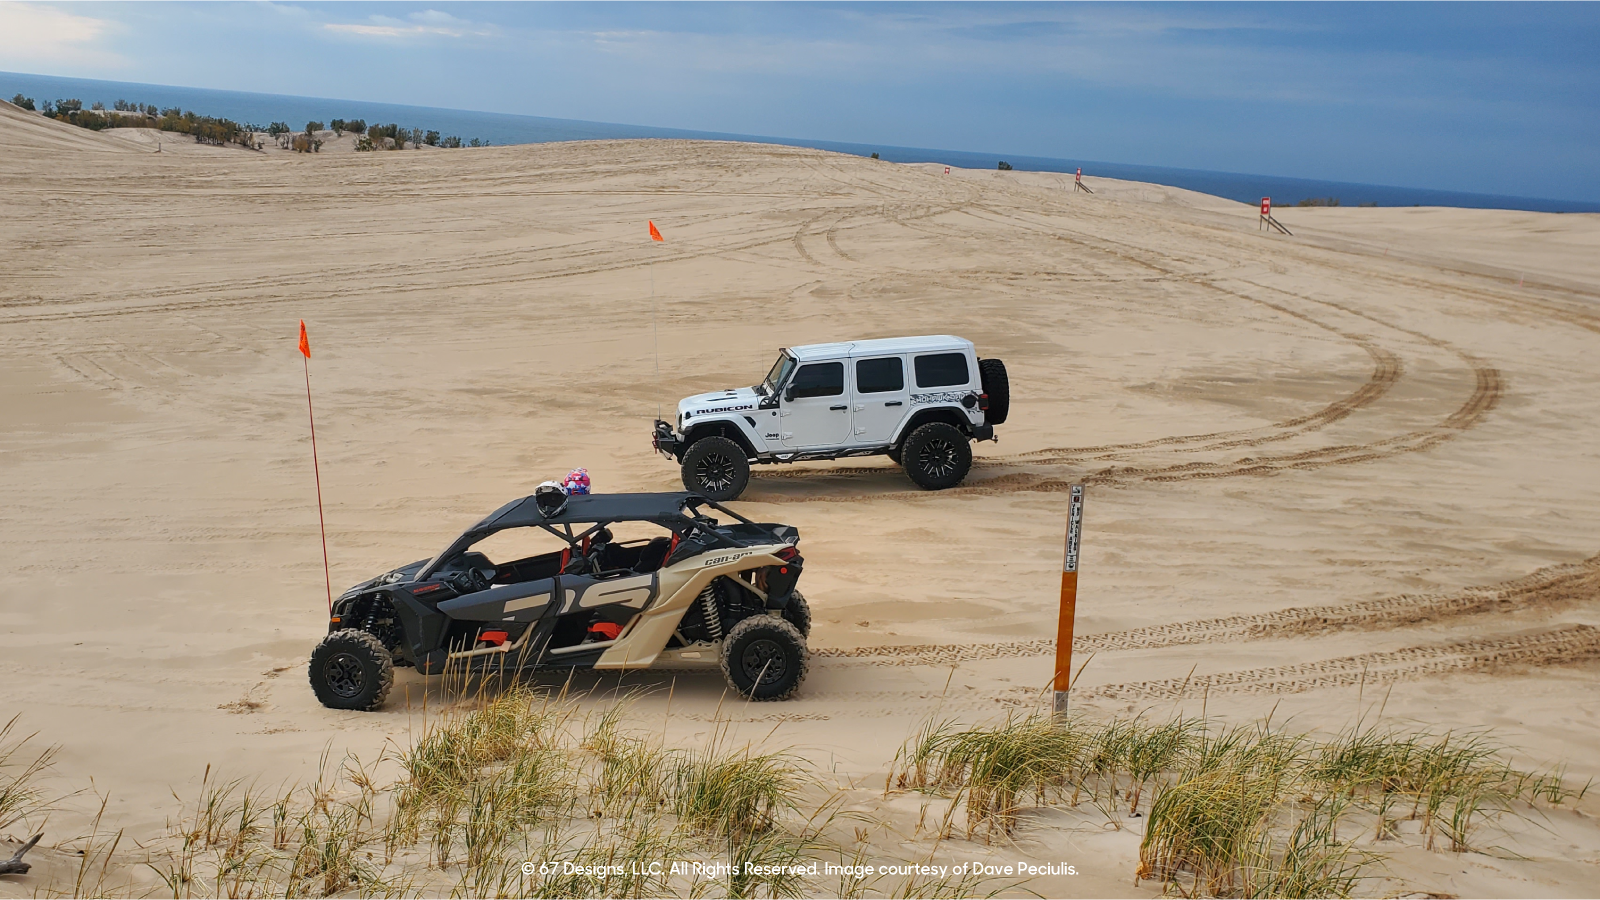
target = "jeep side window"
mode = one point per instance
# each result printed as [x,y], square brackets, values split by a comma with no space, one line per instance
[819,380]
[942,370]
[878,376]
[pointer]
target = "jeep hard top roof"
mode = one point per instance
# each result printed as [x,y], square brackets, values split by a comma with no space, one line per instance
[921,344]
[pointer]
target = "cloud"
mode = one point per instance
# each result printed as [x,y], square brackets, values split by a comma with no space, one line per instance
[32,35]
[284,8]
[425,24]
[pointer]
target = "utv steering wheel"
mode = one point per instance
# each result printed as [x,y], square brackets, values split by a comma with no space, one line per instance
[472,580]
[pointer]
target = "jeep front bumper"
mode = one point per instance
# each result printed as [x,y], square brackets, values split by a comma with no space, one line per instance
[666,441]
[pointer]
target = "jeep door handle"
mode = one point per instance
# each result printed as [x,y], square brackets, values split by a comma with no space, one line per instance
[893,403]
[838,408]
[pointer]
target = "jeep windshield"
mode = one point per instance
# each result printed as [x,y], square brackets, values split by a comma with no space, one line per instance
[781,370]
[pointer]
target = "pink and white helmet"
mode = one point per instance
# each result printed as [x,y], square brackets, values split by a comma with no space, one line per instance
[577,482]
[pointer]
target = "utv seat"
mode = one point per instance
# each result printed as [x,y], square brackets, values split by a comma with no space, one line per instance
[653,555]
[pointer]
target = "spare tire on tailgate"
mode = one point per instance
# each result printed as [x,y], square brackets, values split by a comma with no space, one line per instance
[998,387]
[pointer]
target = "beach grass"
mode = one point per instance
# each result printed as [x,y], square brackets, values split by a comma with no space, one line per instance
[516,792]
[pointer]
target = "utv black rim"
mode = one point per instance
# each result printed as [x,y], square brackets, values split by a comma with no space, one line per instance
[714,472]
[344,675]
[938,458]
[764,662]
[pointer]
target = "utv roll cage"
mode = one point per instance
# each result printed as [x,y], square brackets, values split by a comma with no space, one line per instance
[677,512]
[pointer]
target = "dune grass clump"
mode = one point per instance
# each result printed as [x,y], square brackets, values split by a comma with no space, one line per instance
[20,771]
[733,794]
[1250,810]
[1216,812]
[1450,781]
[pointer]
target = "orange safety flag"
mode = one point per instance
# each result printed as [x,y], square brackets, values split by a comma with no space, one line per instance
[305,343]
[654,234]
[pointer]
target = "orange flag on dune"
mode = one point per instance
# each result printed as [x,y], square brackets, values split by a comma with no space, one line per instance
[654,234]
[305,342]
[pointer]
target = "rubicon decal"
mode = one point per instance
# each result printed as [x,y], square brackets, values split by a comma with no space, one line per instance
[717,409]
[941,397]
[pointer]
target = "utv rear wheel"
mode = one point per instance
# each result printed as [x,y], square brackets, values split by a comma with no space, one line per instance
[797,612]
[937,456]
[764,658]
[717,468]
[351,669]
[998,386]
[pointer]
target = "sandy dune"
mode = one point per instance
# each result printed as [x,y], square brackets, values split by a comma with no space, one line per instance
[1352,467]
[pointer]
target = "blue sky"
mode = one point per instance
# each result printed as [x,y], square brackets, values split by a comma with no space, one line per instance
[1499,98]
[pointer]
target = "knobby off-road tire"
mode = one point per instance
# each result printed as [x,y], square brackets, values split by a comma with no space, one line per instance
[998,386]
[717,468]
[351,669]
[937,456]
[764,658]
[798,613]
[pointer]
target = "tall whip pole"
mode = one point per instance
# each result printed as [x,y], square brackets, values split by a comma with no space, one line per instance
[655,329]
[316,469]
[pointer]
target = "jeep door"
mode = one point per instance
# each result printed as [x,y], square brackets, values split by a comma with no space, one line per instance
[815,411]
[880,399]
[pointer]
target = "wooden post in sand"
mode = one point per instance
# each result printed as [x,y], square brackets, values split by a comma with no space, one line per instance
[1069,602]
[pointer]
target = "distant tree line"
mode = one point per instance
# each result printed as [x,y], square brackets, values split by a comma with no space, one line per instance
[393,137]
[207,129]
[204,129]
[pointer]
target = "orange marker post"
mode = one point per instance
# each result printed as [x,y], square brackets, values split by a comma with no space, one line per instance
[1069,601]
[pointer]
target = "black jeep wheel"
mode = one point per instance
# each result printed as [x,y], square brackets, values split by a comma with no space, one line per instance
[717,468]
[351,669]
[764,658]
[937,456]
[797,612]
[998,386]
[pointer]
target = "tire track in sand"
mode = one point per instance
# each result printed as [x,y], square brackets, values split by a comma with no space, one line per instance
[1549,587]
[1570,643]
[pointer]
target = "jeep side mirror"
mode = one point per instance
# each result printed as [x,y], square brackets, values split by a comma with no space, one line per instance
[788,394]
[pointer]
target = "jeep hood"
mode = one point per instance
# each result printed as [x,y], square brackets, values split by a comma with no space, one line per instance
[736,400]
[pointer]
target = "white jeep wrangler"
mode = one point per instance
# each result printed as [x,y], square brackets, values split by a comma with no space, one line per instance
[917,400]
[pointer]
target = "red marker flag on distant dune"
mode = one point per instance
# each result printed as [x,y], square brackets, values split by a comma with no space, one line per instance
[654,234]
[305,342]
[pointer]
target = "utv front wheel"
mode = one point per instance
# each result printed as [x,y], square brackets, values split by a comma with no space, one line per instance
[937,456]
[764,658]
[717,468]
[351,669]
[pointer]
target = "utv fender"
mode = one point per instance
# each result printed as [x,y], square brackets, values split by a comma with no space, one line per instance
[424,627]
[950,415]
[735,429]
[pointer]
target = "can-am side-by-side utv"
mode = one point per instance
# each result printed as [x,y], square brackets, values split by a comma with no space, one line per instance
[698,593]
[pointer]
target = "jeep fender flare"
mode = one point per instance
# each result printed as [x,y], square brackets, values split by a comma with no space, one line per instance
[949,414]
[734,428]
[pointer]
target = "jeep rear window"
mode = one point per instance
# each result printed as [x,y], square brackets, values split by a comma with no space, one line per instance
[877,376]
[819,380]
[942,370]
